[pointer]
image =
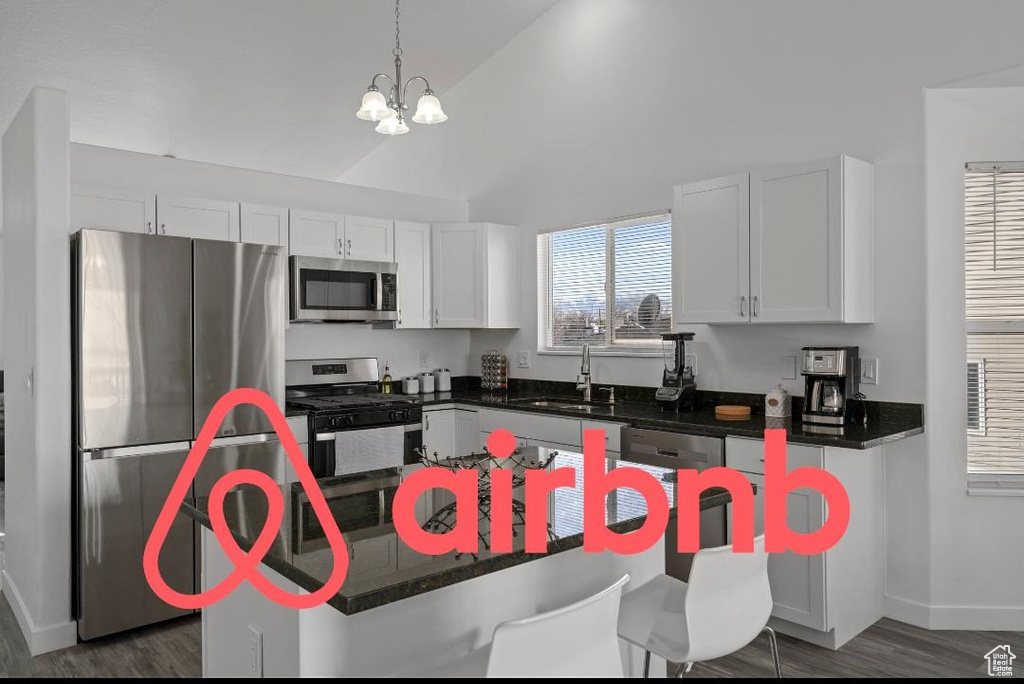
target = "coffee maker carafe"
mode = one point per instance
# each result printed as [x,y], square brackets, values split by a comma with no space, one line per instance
[830,381]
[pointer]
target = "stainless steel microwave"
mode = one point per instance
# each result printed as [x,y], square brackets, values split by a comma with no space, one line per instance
[342,290]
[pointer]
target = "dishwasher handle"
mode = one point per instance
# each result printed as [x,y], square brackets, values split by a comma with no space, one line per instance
[670,450]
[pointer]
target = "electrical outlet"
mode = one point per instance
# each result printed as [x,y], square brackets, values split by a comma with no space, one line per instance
[255,652]
[424,359]
[788,368]
[523,359]
[691,361]
[868,371]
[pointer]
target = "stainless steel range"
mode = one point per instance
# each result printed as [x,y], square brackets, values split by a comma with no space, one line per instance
[353,427]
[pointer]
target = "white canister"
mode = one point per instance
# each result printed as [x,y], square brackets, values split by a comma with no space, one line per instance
[777,403]
[426,383]
[443,380]
[410,385]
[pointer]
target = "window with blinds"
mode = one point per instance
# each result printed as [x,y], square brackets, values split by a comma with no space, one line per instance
[994,287]
[608,285]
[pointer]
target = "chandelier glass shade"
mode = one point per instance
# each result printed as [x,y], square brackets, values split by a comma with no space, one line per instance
[388,108]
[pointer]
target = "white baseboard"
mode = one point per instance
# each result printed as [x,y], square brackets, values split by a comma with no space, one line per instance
[39,639]
[973,618]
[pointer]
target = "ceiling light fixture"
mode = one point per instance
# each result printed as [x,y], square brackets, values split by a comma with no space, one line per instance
[389,112]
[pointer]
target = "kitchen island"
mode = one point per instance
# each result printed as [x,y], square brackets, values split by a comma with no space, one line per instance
[399,611]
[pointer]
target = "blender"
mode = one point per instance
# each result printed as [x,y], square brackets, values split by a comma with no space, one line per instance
[678,385]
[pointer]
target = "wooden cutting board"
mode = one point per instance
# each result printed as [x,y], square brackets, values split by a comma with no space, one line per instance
[728,412]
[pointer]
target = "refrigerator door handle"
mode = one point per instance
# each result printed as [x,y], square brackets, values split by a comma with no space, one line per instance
[130,452]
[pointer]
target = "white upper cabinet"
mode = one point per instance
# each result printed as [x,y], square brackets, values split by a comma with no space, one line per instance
[316,234]
[811,242]
[103,208]
[369,239]
[412,254]
[475,275]
[792,245]
[710,255]
[263,225]
[195,217]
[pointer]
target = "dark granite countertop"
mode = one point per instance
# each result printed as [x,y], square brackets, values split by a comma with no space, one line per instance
[382,568]
[887,421]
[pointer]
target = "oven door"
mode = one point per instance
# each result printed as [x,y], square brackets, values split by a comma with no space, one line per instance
[325,447]
[342,290]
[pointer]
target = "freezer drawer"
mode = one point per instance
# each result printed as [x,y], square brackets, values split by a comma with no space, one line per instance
[122,493]
[133,330]
[240,302]
[227,455]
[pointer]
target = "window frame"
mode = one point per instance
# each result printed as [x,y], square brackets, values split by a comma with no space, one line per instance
[545,304]
[987,484]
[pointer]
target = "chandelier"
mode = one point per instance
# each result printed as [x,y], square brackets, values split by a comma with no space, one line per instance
[389,112]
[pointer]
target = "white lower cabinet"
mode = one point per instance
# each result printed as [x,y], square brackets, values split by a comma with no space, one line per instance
[532,427]
[450,432]
[826,598]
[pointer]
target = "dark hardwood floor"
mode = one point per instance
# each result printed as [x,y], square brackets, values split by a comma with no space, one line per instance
[171,649]
[889,648]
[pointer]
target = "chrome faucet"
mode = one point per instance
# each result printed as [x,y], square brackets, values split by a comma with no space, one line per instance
[583,379]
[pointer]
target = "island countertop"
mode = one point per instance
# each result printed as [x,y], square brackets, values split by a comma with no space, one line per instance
[382,568]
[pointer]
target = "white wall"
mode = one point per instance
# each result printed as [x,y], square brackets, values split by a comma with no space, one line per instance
[103,166]
[977,542]
[601,106]
[37,576]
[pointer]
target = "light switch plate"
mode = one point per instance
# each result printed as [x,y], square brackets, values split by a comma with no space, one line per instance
[255,652]
[868,371]
[788,368]
[523,359]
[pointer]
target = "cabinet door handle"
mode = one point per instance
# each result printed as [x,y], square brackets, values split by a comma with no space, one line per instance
[437,317]
[341,246]
[743,307]
[149,226]
[349,247]
[753,306]
[426,421]
[163,228]
[399,317]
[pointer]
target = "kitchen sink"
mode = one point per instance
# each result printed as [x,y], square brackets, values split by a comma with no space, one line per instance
[561,404]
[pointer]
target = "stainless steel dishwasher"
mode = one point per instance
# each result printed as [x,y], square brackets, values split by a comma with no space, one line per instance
[679,452]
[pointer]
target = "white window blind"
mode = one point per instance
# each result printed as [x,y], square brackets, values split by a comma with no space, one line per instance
[608,285]
[994,286]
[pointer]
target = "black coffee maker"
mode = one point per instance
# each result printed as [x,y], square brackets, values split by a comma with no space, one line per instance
[830,382]
[678,389]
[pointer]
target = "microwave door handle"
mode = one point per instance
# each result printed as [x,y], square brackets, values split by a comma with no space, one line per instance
[378,287]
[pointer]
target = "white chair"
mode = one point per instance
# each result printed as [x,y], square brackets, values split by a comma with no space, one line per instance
[578,640]
[725,605]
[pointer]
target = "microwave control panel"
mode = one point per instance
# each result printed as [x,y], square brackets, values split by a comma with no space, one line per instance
[389,294]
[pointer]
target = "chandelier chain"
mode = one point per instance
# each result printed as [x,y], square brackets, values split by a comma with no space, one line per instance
[398,34]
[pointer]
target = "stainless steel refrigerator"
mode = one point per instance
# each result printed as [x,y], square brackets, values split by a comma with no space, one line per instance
[163,327]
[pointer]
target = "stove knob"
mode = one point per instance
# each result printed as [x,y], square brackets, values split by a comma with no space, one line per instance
[350,420]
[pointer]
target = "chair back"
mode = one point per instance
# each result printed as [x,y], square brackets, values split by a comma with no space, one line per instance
[728,600]
[579,640]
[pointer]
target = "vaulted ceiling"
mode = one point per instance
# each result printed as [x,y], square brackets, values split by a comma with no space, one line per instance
[263,84]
